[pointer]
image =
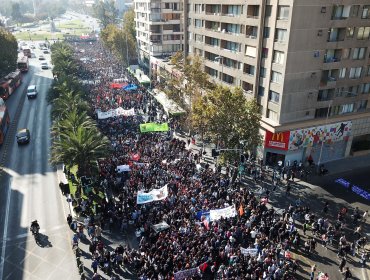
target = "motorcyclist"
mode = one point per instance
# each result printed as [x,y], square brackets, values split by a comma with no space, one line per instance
[35,227]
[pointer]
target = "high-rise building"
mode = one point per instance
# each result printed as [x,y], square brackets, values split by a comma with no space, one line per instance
[306,62]
[159,29]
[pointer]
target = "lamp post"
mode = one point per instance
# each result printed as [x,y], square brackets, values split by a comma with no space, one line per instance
[220,59]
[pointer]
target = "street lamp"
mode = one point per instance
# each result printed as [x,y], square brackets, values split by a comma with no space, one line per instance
[220,59]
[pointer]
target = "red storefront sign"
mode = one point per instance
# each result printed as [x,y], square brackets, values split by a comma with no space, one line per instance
[278,140]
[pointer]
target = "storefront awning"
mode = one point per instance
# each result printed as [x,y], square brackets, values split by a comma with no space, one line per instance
[169,106]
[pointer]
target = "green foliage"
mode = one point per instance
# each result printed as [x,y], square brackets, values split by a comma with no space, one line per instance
[230,119]
[119,41]
[8,52]
[106,12]
[77,140]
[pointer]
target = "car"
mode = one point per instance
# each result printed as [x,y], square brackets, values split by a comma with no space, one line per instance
[31,91]
[46,51]
[41,57]
[33,47]
[44,66]
[23,136]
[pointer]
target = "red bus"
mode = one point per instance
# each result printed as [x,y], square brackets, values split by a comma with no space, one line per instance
[15,80]
[4,121]
[26,51]
[22,64]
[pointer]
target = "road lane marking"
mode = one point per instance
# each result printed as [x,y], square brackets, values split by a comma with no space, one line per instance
[5,233]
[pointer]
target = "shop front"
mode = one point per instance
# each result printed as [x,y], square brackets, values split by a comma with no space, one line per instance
[321,143]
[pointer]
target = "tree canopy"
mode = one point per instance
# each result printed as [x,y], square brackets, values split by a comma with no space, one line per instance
[230,119]
[8,53]
[106,12]
[121,41]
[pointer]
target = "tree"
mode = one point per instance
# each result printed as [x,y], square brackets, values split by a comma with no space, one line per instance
[82,147]
[69,101]
[106,12]
[8,53]
[230,119]
[16,12]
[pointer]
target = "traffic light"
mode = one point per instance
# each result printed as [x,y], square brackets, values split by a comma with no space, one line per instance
[215,153]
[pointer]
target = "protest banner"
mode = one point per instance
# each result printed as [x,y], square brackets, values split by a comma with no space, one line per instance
[123,168]
[115,112]
[153,195]
[160,227]
[227,212]
[154,127]
[183,274]
[249,251]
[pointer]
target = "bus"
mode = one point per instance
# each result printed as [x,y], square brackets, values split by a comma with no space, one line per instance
[26,51]
[15,79]
[4,121]
[22,64]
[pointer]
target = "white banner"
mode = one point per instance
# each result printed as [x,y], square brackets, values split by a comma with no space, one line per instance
[186,274]
[160,227]
[248,252]
[115,112]
[123,168]
[153,195]
[227,212]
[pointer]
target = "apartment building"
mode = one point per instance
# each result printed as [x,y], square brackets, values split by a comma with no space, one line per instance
[159,30]
[306,62]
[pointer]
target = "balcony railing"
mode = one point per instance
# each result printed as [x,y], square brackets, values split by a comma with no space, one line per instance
[331,59]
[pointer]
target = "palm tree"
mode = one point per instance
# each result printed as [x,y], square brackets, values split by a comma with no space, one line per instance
[72,121]
[68,101]
[82,147]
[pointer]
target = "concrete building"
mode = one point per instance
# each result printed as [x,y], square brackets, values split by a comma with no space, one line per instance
[306,62]
[159,29]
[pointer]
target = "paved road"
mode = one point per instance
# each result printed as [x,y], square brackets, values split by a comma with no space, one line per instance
[29,190]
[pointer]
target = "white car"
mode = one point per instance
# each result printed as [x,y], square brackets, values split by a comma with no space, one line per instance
[31,91]
[44,66]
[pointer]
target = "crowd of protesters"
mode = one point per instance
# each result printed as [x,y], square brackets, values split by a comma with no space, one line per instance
[219,249]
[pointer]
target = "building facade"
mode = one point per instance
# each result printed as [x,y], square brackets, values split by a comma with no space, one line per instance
[159,29]
[306,62]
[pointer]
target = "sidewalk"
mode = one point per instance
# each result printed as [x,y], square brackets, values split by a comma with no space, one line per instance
[348,164]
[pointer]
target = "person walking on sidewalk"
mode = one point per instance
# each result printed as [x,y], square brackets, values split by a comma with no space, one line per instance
[347,274]
[342,264]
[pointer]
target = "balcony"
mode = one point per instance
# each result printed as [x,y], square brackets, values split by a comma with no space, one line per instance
[253,11]
[336,34]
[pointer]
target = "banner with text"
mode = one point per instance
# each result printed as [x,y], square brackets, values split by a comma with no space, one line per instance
[249,251]
[116,112]
[188,273]
[153,195]
[154,127]
[227,212]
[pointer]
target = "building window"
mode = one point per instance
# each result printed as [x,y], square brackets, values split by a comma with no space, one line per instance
[276,77]
[342,73]
[249,69]
[354,10]
[345,53]
[261,91]
[340,12]
[281,35]
[268,10]
[274,96]
[358,53]
[265,52]
[325,95]
[279,57]
[362,105]
[266,32]
[250,51]
[321,112]
[365,12]
[214,42]
[272,115]
[355,72]
[350,32]
[198,23]
[232,46]
[365,88]
[262,72]
[283,12]
[234,10]
[363,33]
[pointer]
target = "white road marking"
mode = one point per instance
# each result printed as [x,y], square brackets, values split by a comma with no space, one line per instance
[5,233]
